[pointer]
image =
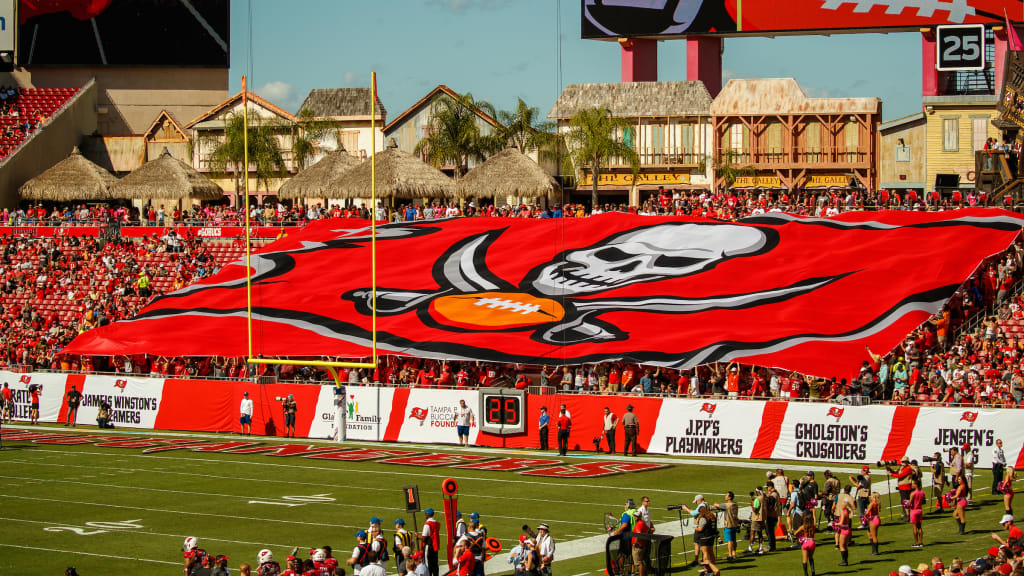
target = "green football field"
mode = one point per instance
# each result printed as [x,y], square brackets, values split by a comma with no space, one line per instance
[119,510]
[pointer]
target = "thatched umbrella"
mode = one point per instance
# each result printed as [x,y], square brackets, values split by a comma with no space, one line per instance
[321,179]
[399,175]
[73,178]
[166,178]
[508,173]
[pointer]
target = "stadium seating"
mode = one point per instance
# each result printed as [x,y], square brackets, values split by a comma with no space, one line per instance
[24,110]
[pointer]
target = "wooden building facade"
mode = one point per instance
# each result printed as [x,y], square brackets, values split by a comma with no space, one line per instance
[776,137]
[671,133]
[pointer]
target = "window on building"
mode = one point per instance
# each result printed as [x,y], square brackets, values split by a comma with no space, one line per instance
[686,143]
[629,136]
[774,142]
[852,140]
[902,153]
[350,140]
[812,142]
[657,144]
[950,134]
[739,140]
[979,133]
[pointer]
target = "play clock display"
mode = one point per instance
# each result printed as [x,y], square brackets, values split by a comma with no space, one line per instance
[503,411]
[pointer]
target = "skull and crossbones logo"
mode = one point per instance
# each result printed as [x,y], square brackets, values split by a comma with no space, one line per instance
[559,300]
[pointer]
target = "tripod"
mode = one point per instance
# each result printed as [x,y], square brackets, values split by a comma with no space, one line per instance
[682,533]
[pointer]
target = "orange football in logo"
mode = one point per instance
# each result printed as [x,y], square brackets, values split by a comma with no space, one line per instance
[495,310]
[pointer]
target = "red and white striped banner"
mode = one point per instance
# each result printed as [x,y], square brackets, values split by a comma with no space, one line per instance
[719,428]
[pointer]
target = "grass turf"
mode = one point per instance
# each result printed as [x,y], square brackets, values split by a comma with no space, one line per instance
[115,510]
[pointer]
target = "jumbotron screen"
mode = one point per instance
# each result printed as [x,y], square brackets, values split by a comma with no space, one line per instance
[179,33]
[650,18]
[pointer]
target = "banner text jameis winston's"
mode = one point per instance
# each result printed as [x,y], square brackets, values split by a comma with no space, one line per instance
[805,294]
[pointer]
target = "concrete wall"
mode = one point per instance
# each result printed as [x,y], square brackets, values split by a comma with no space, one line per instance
[50,145]
[133,97]
[893,171]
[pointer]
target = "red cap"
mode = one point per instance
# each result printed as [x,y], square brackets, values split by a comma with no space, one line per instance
[290,558]
[865,468]
[523,538]
[1005,569]
[994,551]
[927,572]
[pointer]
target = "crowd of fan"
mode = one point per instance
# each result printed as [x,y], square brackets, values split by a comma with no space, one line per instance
[728,205]
[52,289]
[941,362]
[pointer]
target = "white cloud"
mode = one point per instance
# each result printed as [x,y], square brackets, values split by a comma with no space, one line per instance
[280,93]
[351,79]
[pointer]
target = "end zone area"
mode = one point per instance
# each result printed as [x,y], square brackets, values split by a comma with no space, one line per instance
[110,501]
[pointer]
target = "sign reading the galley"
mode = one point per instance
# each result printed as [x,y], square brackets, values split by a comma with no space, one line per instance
[960,47]
[625,180]
[755,181]
[1011,104]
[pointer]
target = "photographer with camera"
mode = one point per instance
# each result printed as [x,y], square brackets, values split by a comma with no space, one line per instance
[34,390]
[704,536]
[289,407]
[758,514]
[903,477]
[730,523]
[938,470]
[74,398]
[103,415]
[862,482]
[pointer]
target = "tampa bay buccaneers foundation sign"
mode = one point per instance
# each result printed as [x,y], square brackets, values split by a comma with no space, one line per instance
[801,293]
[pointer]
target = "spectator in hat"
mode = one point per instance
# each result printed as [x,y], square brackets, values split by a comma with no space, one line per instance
[545,549]
[403,541]
[220,566]
[1014,536]
[359,553]
[431,539]
[903,478]
[415,566]
[862,482]
[630,428]
[245,414]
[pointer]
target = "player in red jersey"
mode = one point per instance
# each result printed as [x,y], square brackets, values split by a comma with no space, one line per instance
[195,557]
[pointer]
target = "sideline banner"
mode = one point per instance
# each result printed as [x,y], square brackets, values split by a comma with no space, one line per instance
[830,433]
[134,402]
[51,396]
[722,429]
[738,429]
[207,231]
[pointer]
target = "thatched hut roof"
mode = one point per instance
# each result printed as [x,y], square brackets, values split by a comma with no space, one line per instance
[73,178]
[166,178]
[399,175]
[508,173]
[634,99]
[321,179]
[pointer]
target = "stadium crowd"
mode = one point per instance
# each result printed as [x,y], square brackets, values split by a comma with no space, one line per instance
[53,289]
[727,205]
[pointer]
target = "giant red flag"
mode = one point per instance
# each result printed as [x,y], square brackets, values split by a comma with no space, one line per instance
[800,293]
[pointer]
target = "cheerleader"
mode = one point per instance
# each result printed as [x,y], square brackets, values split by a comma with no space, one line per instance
[873,517]
[916,512]
[845,533]
[959,498]
[805,536]
[1006,487]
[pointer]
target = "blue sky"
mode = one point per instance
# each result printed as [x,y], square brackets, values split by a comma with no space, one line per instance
[503,49]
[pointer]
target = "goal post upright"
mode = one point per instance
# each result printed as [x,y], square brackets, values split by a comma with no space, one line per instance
[331,366]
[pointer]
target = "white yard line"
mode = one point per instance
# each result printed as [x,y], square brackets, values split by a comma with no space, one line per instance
[236,496]
[603,505]
[186,512]
[510,452]
[135,531]
[36,548]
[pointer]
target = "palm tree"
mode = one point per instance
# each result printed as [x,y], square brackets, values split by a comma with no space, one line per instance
[592,140]
[728,169]
[523,129]
[454,136]
[306,138]
[264,152]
